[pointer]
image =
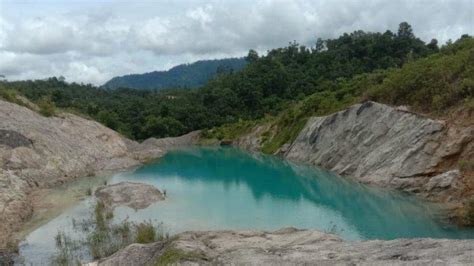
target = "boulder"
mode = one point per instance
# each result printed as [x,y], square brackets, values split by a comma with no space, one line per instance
[443,181]
[130,194]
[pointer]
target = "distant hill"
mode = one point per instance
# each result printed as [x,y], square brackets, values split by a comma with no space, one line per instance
[185,75]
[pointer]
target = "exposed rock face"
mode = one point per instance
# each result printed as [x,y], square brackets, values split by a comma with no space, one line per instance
[387,146]
[13,139]
[134,254]
[131,194]
[165,143]
[252,140]
[39,152]
[294,247]
[153,147]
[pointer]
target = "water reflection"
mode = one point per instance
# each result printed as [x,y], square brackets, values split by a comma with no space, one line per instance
[375,213]
[226,188]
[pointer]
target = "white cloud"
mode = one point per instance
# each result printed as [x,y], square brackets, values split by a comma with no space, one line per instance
[92,43]
[61,34]
[84,72]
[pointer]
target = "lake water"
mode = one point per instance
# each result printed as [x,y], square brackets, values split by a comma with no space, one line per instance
[226,188]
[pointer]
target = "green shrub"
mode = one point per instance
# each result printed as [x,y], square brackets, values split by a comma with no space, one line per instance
[470,213]
[99,215]
[122,229]
[146,233]
[8,95]
[47,107]
[466,165]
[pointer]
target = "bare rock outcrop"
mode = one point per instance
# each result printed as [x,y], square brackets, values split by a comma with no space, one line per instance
[153,147]
[386,146]
[131,194]
[41,152]
[252,140]
[292,247]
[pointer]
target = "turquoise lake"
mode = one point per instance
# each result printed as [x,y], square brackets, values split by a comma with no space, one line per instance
[214,188]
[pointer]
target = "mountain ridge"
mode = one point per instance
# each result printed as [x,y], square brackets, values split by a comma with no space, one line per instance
[190,75]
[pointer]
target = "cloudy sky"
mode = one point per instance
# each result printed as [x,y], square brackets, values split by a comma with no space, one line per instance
[91,41]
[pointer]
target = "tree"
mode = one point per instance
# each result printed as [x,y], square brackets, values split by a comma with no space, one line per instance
[162,127]
[252,56]
[433,45]
[319,45]
[109,119]
[405,31]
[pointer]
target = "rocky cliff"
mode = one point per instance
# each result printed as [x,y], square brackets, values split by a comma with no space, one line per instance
[291,247]
[387,146]
[40,152]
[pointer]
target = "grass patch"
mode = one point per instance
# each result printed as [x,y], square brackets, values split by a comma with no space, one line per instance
[288,125]
[12,96]
[100,216]
[173,255]
[284,134]
[67,249]
[229,131]
[8,95]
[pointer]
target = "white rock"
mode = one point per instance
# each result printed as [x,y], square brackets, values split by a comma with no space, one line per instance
[444,180]
[131,194]
[296,247]
[375,143]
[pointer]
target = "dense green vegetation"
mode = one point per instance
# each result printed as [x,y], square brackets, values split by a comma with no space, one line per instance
[431,85]
[183,76]
[280,89]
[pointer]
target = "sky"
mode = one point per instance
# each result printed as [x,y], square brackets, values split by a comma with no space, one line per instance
[91,41]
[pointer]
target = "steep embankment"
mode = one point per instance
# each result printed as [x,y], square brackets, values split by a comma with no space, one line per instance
[385,146]
[390,147]
[290,247]
[40,152]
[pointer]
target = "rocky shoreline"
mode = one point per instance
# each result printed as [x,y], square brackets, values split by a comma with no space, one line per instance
[38,152]
[291,246]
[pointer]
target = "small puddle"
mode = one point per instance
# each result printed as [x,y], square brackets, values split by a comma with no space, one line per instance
[50,203]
